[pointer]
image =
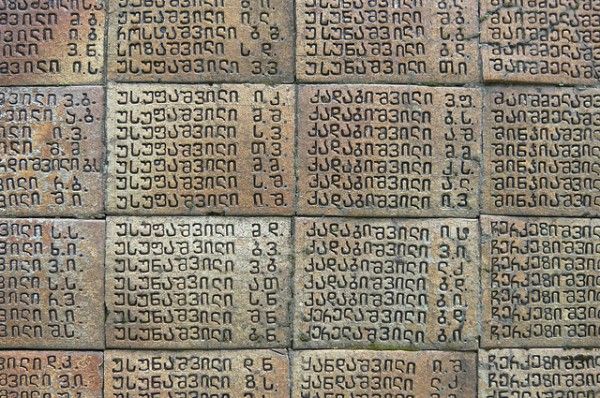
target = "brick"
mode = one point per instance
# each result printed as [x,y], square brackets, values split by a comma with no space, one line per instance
[540,282]
[372,150]
[52,42]
[386,284]
[51,151]
[202,282]
[540,42]
[51,373]
[162,374]
[191,149]
[201,41]
[544,371]
[389,41]
[51,284]
[541,151]
[372,374]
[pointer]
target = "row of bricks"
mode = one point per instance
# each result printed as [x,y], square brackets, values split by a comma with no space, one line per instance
[337,150]
[227,282]
[416,41]
[299,374]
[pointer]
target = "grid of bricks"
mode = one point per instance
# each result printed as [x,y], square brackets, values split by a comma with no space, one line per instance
[307,199]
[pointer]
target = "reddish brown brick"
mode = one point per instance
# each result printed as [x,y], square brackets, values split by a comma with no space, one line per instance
[52,42]
[51,151]
[51,284]
[51,374]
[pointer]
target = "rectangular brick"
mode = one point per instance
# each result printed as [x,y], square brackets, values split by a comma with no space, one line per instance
[387,41]
[51,284]
[200,149]
[51,151]
[541,151]
[386,284]
[375,374]
[202,282]
[552,42]
[373,150]
[540,282]
[52,42]
[540,372]
[52,374]
[201,41]
[165,374]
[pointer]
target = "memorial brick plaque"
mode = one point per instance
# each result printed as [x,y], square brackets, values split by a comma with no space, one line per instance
[394,41]
[51,284]
[210,374]
[540,282]
[541,151]
[373,150]
[201,41]
[51,374]
[51,151]
[200,149]
[375,374]
[198,282]
[386,284]
[554,42]
[539,373]
[51,42]
[299,198]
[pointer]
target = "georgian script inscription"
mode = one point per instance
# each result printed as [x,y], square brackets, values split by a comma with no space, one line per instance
[541,41]
[201,41]
[372,150]
[51,284]
[395,41]
[201,282]
[542,151]
[51,42]
[197,149]
[539,373]
[390,284]
[375,374]
[60,374]
[166,374]
[542,286]
[51,151]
